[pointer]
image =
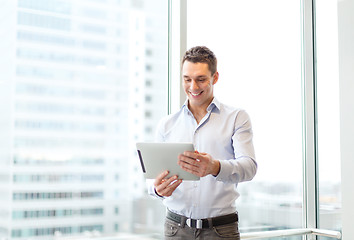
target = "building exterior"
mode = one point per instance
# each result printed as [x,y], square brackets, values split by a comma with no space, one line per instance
[84,80]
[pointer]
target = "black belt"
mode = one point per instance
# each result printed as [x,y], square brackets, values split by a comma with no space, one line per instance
[202,223]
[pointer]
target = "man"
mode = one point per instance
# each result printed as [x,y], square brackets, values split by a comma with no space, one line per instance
[224,156]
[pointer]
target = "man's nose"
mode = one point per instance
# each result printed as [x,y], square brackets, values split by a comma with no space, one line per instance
[194,84]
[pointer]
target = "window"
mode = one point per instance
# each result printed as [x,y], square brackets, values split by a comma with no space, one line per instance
[68,121]
[82,82]
[259,61]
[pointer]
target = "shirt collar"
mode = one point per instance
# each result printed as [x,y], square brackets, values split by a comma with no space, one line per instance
[214,103]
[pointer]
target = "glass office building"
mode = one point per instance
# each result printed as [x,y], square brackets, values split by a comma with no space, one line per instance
[82,82]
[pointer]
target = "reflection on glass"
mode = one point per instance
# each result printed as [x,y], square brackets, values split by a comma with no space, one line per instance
[259,60]
[73,90]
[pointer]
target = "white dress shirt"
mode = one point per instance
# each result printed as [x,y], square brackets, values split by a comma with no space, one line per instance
[226,134]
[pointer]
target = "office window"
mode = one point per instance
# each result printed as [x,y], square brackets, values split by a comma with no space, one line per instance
[258,46]
[43,5]
[42,21]
[73,82]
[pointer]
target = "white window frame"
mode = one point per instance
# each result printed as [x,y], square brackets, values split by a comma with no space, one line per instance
[177,47]
[309,116]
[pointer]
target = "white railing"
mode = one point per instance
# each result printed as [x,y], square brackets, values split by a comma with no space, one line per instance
[291,232]
[250,235]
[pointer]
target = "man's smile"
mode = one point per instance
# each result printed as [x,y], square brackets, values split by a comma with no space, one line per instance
[195,94]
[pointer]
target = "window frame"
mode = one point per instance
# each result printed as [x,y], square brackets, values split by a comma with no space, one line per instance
[309,116]
[178,45]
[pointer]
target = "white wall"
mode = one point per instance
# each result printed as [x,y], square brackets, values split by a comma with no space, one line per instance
[346,85]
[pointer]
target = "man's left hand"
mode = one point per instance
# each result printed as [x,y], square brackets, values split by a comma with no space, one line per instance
[200,164]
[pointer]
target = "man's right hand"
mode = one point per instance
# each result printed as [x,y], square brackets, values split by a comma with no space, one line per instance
[166,186]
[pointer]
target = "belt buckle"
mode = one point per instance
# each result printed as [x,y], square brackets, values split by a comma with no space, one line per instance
[199,223]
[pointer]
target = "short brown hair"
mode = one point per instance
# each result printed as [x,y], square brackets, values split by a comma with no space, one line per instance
[201,54]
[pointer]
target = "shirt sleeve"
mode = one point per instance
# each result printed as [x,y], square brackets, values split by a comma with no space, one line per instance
[151,189]
[244,166]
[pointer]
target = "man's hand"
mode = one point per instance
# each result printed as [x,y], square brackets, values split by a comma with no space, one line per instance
[200,164]
[165,187]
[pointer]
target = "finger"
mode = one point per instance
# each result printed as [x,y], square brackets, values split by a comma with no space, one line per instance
[167,190]
[160,177]
[191,168]
[188,167]
[171,188]
[190,154]
[188,160]
[196,155]
[199,168]
[164,183]
[202,157]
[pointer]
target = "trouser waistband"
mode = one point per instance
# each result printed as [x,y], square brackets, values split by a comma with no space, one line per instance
[202,223]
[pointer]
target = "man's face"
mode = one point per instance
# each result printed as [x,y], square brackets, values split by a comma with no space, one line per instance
[198,84]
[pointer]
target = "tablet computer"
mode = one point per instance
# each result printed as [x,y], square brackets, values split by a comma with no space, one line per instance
[158,157]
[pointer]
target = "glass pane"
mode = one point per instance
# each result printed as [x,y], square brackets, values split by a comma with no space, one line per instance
[81,82]
[258,46]
[328,115]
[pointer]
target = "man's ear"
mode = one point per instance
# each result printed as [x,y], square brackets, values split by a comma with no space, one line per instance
[215,77]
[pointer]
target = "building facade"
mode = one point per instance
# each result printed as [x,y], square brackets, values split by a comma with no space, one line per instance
[83,81]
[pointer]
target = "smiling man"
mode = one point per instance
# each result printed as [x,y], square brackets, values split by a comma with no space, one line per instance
[224,156]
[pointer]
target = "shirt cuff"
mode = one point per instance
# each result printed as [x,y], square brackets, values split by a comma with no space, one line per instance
[152,190]
[225,171]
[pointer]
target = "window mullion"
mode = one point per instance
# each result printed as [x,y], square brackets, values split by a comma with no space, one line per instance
[310,161]
[177,47]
